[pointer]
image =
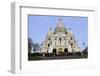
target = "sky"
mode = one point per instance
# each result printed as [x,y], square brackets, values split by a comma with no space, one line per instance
[39,25]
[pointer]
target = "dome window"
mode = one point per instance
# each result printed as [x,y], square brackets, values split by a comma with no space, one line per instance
[71,38]
[49,38]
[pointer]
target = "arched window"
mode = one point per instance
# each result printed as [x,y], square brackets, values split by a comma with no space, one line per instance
[48,45]
[71,44]
[54,51]
[60,40]
[65,50]
[71,38]
[49,38]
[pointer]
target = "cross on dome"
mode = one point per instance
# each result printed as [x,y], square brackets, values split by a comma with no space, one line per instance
[60,19]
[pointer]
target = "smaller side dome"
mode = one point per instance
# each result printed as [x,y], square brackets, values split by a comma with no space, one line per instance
[50,31]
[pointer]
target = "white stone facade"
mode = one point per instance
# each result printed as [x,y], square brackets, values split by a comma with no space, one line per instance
[61,40]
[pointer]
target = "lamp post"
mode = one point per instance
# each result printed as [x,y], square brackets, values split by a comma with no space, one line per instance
[83,44]
[84,48]
[48,48]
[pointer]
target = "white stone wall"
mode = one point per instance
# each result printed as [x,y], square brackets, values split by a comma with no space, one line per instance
[53,40]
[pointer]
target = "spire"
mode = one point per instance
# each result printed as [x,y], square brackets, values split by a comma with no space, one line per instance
[69,28]
[50,31]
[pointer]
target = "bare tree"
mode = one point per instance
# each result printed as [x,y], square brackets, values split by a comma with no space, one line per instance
[30,44]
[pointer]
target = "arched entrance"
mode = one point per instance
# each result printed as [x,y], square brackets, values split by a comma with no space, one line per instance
[54,51]
[60,49]
[66,51]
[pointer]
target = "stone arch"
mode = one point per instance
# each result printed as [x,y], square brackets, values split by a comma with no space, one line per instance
[60,49]
[54,51]
[66,50]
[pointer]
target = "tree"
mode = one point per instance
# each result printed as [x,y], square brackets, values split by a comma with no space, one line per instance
[36,46]
[30,44]
[85,51]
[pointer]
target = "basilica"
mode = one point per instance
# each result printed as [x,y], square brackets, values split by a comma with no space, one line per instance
[61,40]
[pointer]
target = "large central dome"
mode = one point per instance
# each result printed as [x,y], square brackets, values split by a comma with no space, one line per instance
[60,26]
